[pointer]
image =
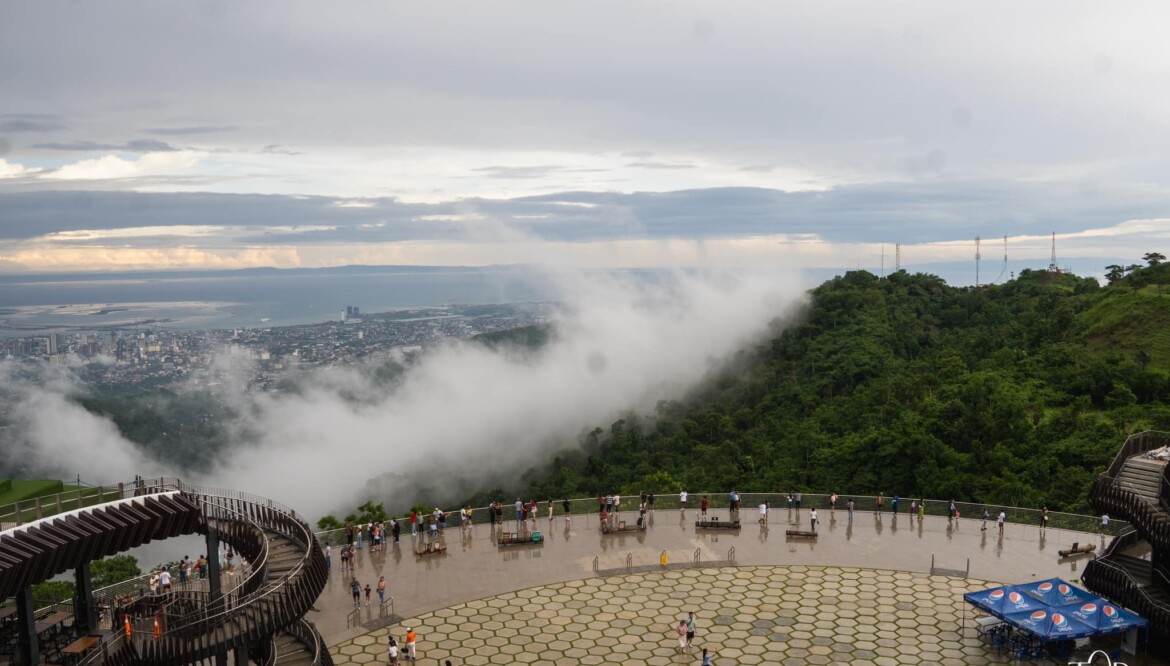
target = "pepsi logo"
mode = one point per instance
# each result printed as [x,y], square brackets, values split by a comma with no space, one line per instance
[1015,597]
[1044,587]
[996,595]
[1059,620]
[1109,611]
[1089,609]
[1065,590]
[1039,616]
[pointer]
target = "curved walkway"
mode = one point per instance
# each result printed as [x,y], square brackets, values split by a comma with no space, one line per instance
[476,568]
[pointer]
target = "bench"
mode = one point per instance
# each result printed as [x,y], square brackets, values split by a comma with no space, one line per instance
[518,538]
[431,549]
[79,647]
[52,621]
[623,526]
[714,523]
[803,534]
[1077,549]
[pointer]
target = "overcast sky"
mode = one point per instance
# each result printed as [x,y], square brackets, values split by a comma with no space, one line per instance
[226,134]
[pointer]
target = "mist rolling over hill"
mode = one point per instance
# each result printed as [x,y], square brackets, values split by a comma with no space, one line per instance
[460,417]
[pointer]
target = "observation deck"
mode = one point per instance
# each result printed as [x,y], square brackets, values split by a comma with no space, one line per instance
[490,586]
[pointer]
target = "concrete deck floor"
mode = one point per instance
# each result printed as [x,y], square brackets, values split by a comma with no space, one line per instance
[474,568]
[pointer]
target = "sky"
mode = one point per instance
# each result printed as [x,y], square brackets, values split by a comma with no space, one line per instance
[211,135]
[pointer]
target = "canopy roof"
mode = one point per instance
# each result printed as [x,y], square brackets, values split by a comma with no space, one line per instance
[1055,610]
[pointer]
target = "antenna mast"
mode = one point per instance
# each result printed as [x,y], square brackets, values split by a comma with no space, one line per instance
[1052,266]
[897,257]
[976,261]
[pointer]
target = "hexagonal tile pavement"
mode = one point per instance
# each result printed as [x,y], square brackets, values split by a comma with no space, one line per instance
[747,615]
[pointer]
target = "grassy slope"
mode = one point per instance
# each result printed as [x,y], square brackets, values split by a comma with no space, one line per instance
[1123,320]
[22,489]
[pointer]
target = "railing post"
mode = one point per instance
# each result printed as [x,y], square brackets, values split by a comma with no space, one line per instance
[19,517]
[37,504]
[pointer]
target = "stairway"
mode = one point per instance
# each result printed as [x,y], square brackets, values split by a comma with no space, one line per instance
[292,651]
[1141,476]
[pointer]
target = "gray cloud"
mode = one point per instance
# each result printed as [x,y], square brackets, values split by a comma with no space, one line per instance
[31,122]
[135,146]
[893,213]
[185,131]
[660,165]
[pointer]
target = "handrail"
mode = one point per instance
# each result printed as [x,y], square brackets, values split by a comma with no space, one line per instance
[279,604]
[934,507]
[1136,443]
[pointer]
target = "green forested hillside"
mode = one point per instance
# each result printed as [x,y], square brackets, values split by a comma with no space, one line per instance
[1016,394]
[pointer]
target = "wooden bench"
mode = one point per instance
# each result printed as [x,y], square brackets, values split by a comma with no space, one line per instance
[623,526]
[803,534]
[52,621]
[1077,549]
[431,549]
[519,538]
[80,646]
[716,524]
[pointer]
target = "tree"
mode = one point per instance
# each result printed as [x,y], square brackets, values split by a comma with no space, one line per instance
[1114,273]
[1154,258]
[328,523]
[113,570]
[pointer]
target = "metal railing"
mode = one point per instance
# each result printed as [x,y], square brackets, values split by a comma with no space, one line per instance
[45,506]
[1140,442]
[777,501]
[256,609]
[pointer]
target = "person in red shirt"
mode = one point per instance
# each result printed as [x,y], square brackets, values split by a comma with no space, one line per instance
[413,522]
[703,505]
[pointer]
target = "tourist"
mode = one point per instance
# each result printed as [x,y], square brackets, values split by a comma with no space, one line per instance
[462,518]
[682,500]
[533,509]
[690,628]
[411,648]
[395,529]
[360,536]
[833,504]
[567,507]
[790,501]
[183,570]
[392,651]
[734,501]
[921,509]
[913,507]
[849,508]
[799,497]
[952,511]
[707,657]
[986,516]
[551,508]
[600,503]
[1104,523]
[413,522]
[617,504]
[609,503]
[681,630]
[650,501]
[812,518]
[894,504]
[763,513]
[164,581]
[1000,519]
[356,589]
[202,566]
[1044,517]
[328,557]
[368,591]
[879,503]
[703,503]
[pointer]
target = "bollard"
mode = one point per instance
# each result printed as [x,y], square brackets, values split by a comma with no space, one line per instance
[664,559]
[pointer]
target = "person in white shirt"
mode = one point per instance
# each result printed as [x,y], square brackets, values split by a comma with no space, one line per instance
[812,518]
[164,581]
[682,501]
[999,520]
[763,513]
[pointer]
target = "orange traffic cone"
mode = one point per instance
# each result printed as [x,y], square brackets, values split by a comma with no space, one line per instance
[127,618]
[157,629]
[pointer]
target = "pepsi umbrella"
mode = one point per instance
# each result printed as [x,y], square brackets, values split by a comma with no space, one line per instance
[1051,624]
[1056,592]
[1000,601]
[1106,617]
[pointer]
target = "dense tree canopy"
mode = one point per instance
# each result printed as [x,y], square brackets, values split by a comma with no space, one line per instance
[1015,394]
